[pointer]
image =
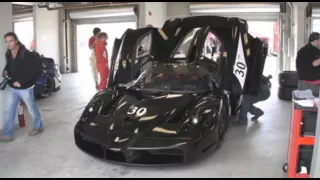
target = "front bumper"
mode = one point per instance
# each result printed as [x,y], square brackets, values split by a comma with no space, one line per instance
[145,151]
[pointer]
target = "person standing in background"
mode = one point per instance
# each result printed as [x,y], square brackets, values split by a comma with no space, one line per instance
[92,43]
[101,54]
[308,65]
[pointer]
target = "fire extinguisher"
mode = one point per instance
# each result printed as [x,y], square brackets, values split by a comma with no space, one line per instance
[21,115]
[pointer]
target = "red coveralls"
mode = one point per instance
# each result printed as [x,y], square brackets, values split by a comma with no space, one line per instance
[101,54]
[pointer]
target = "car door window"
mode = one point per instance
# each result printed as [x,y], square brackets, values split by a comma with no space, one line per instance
[211,48]
[144,45]
[182,51]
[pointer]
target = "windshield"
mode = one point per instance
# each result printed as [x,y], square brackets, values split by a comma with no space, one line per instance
[182,51]
[173,79]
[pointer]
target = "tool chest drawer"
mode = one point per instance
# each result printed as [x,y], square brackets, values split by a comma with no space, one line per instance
[309,123]
[305,157]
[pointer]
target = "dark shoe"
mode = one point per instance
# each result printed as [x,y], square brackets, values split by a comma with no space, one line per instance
[257,116]
[97,86]
[35,132]
[5,138]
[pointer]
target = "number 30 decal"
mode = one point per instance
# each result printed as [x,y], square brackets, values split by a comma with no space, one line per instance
[137,111]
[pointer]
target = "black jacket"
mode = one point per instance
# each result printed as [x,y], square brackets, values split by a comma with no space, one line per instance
[305,57]
[264,90]
[25,68]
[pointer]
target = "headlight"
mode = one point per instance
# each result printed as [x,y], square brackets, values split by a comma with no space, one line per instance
[194,120]
[90,109]
[89,112]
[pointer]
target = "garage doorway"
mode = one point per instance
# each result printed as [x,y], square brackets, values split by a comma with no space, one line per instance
[268,32]
[25,33]
[84,32]
[315,27]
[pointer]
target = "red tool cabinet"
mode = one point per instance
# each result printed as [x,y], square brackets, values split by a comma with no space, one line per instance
[301,141]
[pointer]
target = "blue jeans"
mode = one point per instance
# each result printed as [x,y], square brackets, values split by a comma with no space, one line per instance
[250,100]
[13,98]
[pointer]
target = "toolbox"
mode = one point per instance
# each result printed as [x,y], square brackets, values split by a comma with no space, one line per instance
[301,141]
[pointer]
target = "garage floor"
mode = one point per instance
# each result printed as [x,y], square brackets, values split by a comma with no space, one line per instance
[258,150]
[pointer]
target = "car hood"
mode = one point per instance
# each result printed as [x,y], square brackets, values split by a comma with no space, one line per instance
[132,113]
[164,117]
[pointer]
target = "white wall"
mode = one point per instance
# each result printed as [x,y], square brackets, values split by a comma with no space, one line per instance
[158,14]
[6,26]
[47,32]
[178,9]
[161,11]
[300,25]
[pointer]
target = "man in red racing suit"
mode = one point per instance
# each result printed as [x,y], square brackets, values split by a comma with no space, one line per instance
[101,54]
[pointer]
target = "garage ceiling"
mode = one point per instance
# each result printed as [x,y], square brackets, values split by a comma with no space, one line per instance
[20,9]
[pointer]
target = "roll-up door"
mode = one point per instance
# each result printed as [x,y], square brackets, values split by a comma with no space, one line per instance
[105,15]
[315,19]
[263,11]
[22,17]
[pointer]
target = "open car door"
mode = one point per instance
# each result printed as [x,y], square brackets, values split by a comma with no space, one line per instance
[122,56]
[115,50]
[136,52]
[246,59]
[242,57]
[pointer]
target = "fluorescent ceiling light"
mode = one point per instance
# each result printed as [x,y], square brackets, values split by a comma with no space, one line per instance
[238,10]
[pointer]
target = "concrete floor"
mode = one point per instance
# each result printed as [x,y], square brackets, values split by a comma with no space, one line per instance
[258,150]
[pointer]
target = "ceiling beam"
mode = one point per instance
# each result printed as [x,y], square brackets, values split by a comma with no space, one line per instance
[26,3]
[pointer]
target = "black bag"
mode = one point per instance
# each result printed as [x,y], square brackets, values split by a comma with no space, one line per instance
[38,61]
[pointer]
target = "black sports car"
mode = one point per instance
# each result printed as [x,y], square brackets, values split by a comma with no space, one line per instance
[171,91]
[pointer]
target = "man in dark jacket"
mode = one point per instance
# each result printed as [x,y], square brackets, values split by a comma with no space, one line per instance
[308,65]
[250,100]
[22,68]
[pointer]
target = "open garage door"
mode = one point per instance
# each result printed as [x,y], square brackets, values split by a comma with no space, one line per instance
[315,19]
[248,11]
[23,26]
[112,20]
[22,17]
[105,15]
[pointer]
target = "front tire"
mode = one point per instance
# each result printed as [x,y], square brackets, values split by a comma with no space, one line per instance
[48,89]
[226,116]
[222,125]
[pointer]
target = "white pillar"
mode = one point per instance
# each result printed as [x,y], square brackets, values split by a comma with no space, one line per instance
[6,26]
[315,163]
[178,10]
[300,25]
[47,32]
[154,13]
